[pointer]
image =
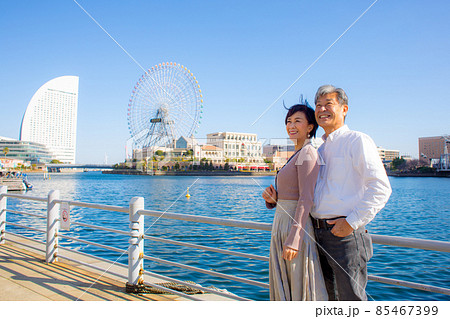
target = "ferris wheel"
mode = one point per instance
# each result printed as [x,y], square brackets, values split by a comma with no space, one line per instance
[165,103]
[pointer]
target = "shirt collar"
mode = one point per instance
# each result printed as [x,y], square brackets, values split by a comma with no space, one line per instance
[336,133]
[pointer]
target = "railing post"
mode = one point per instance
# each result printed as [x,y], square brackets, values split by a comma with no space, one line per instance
[136,241]
[3,190]
[52,227]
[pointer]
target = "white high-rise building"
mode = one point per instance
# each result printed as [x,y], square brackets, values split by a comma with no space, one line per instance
[51,118]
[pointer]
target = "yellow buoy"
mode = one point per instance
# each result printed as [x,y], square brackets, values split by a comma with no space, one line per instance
[187,194]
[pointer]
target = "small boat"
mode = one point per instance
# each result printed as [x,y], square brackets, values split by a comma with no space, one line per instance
[28,185]
[15,181]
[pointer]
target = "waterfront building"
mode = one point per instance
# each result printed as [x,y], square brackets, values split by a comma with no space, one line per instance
[278,155]
[51,118]
[30,152]
[212,153]
[387,155]
[237,146]
[146,153]
[433,147]
[182,146]
[186,142]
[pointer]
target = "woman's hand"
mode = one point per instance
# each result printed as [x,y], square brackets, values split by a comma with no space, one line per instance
[270,195]
[289,253]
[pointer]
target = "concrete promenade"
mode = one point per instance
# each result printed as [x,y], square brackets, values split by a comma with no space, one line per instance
[25,276]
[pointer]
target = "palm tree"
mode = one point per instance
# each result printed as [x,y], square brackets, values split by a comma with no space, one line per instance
[5,151]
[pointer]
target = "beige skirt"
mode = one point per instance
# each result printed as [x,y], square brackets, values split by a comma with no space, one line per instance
[301,278]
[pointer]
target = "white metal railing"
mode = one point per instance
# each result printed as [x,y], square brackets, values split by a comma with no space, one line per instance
[137,236]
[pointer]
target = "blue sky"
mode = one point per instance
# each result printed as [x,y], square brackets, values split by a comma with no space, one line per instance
[393,63]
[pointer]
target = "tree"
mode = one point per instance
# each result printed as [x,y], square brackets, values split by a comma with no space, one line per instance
[5,150]
[398,163]
[159,153]
[144,164]
[415,164]
[55,161]
[191,154]
[226,166]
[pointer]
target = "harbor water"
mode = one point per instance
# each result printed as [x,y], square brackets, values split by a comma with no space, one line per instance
[418,208]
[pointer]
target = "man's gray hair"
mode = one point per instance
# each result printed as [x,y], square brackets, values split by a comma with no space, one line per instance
[327,89]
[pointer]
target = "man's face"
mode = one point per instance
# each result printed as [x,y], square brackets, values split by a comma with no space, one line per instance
[329,113]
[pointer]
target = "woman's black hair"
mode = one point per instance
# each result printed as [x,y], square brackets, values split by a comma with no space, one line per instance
[306,109]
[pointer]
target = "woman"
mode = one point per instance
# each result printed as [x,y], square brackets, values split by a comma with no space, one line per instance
[295,272]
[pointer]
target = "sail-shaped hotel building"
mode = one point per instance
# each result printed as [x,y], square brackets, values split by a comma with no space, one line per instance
[51,118]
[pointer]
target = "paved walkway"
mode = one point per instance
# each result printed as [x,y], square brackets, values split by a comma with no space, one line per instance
[24,276]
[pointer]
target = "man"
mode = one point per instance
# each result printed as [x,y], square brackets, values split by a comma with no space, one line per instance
[351,188]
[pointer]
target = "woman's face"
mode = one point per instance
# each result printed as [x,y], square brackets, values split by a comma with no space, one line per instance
[298,127]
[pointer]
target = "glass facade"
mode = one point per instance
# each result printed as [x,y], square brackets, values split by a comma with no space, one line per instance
[31,152]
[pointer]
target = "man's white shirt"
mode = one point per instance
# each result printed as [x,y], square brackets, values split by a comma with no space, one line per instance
[352,181]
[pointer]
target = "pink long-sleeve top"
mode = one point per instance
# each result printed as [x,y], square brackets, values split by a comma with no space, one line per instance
[296,181]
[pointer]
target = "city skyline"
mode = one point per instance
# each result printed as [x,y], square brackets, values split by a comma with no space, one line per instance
[392,63]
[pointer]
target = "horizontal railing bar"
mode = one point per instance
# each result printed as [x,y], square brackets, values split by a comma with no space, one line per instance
[25,213]
[411,243]
[409,284]
[208,220]
[218,250]
[93,244]
[209,272]
[27,197]
[23,244]
[27,227]
[127,233]
[174,292]
[228,295]
[95,206]
[92,266]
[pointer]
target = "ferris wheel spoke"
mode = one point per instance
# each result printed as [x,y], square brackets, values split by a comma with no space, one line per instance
[149,86]
[181,89]
[174,101]
[153,92]
[185,102]
[158,84]
[144,87]
[159,97]
[185,129]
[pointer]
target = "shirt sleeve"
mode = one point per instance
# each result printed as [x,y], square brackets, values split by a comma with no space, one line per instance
[377,189]
[307,170]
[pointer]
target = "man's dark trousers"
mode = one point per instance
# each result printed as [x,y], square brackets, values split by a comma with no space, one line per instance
[344,263]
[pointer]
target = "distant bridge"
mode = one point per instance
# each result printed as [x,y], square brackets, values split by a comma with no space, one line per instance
[84,166]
